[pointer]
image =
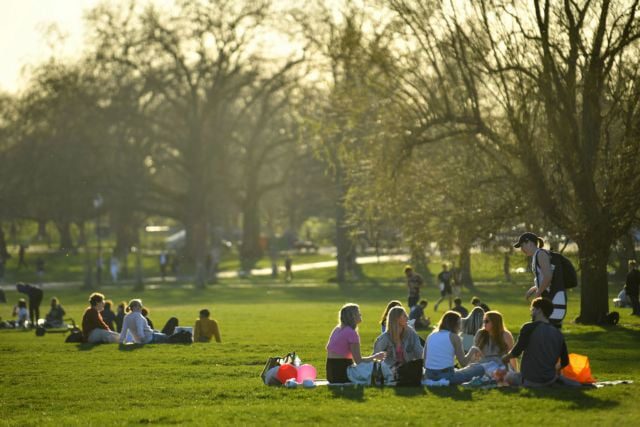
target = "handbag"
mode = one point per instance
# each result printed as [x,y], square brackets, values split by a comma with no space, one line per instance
[272,362]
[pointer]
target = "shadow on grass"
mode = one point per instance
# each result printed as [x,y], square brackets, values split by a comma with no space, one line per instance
[130,347]
[579,398]
[87,346]
[351,392]
[452,393]
[409,391]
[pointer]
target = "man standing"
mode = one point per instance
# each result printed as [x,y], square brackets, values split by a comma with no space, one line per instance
[541,345]
[444,279]
[414,282]
[631,286]
[35,298]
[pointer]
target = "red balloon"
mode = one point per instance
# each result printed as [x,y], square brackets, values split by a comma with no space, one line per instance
[285,372]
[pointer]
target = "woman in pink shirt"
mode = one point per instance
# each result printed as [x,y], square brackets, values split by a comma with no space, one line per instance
[343,348]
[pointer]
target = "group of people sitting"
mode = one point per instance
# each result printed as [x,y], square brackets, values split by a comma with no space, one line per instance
[132,325]
[490,351]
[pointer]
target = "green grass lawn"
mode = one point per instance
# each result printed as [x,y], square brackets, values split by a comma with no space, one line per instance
[45,381]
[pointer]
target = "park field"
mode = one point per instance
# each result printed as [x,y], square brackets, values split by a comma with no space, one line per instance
[47,382]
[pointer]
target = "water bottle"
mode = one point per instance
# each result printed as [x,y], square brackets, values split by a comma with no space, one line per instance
[296,361]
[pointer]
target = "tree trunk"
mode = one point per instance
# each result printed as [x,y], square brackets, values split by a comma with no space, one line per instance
[42,231]
[465,266]
[343,240]
[66,242]
[594,292]
[250,252]
[420,262]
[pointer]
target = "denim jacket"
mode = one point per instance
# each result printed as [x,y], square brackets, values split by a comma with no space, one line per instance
[410,343]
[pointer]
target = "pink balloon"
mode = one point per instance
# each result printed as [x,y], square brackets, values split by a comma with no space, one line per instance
[286,371]
[306,372]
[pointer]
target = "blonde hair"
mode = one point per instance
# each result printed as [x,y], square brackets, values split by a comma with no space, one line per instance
[348,315]
[134,303]
[393,326]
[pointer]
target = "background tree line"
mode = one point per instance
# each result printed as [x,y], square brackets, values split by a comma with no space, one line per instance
[438,121]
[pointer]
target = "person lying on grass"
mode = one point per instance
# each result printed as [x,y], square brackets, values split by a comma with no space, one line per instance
[343,348]
[541,345]
[443,346]
[138,328]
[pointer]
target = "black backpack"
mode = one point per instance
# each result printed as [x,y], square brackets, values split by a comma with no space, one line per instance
[568,278]
[180,337]
[74,337]
[569,275]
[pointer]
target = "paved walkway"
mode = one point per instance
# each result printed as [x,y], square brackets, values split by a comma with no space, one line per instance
[231,274]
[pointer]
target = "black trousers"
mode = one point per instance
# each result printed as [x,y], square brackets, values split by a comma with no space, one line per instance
[337,370]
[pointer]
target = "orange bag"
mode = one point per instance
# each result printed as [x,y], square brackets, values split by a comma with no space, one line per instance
[578,369]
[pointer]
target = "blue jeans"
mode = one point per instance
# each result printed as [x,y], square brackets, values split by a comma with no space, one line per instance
[159,338]
[456,376]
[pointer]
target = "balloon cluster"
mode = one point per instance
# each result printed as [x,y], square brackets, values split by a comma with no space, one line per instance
[301,375]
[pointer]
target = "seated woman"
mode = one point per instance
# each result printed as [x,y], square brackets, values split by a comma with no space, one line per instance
[402,348]
[20,311]
[385,313]
[343,348]
[94,330]
[54,318]
[137,326]
[443,346]
[494,340]
[470,326]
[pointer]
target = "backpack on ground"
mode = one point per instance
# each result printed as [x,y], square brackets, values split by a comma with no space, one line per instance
[74,337]
[181,337]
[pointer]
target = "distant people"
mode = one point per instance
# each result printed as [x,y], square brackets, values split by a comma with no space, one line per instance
[494,340]
[145,314]
[120,313]
[164,263]
[416,315]
[40,269]
[444,279]
[288,269]
[458,308]
[443,347]
[206,328]
[632,283]
[476,302]
[108,316]
[35,299]
[622,300]
[385,313]
[400,343]
[21,313]
[470,326]
[55,317]
[22,262]
[137,327]
[114,268]
[414,283]
[343,347]
[541,345]
[94,330]
[543,285]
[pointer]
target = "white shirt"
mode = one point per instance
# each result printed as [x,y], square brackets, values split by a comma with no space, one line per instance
[138,327]
[440,351]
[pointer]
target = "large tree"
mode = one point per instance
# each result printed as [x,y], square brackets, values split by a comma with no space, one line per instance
[552,91]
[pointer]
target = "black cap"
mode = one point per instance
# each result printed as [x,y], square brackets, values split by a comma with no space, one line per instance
[526,237]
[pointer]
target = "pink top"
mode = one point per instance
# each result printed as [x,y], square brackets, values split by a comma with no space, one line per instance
[341,339]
